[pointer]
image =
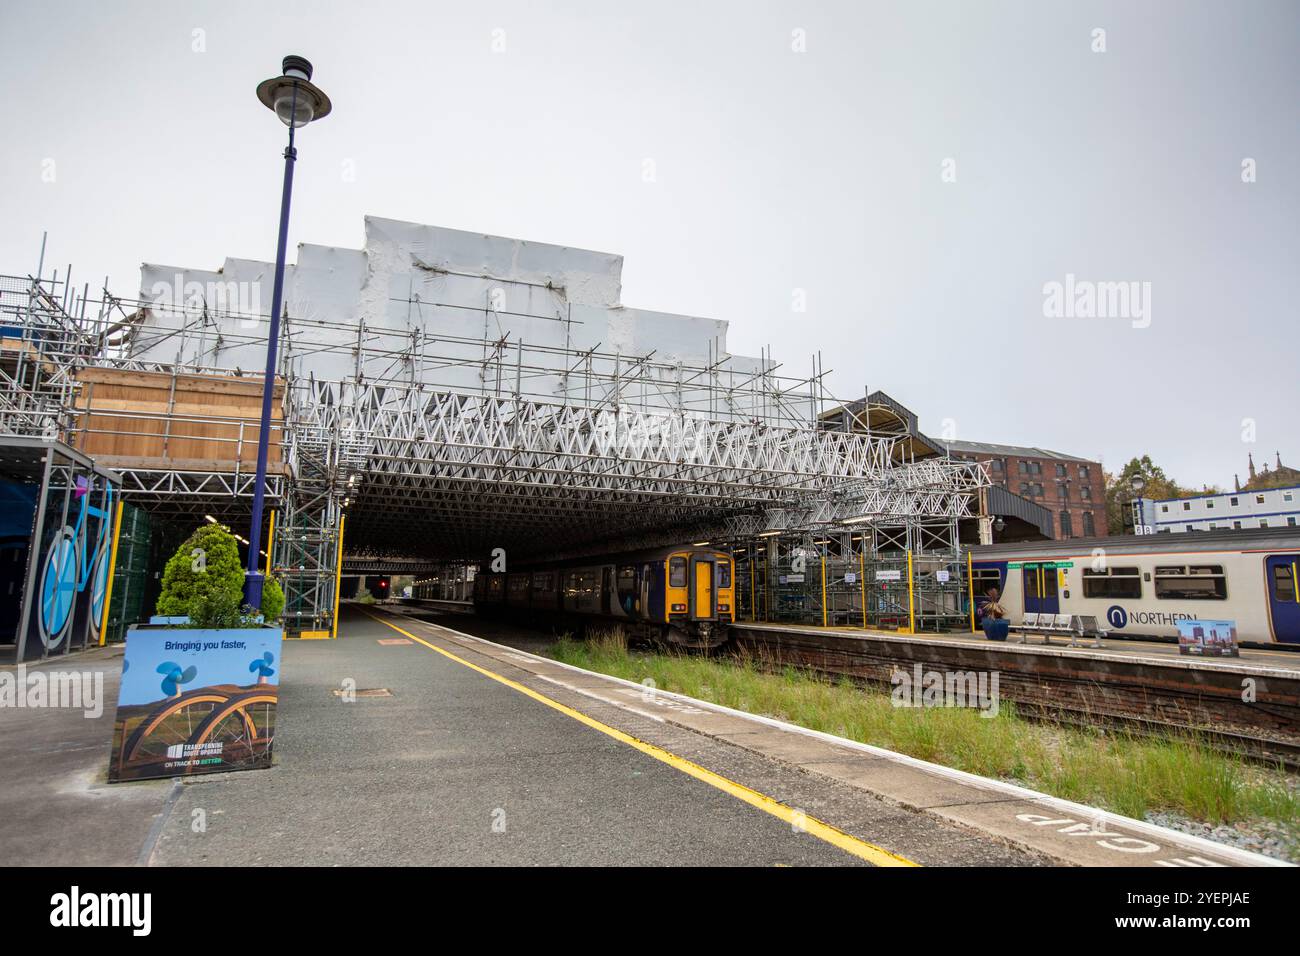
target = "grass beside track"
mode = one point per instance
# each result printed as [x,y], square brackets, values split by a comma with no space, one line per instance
[1104,768]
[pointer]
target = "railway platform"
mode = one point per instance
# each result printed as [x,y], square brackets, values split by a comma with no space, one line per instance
[405,742]
[1119,648]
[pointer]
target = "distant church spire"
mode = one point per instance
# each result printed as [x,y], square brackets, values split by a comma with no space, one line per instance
[1236,483]
[1279,460]
[1251,459]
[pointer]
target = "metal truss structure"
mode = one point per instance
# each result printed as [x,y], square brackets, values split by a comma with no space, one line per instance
[439,448]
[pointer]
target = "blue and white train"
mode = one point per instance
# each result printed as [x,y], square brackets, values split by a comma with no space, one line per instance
[1141,586]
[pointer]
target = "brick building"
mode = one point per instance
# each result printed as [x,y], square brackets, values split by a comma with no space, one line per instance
[1072,489]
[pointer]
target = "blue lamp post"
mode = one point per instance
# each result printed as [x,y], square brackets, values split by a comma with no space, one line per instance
[297,102]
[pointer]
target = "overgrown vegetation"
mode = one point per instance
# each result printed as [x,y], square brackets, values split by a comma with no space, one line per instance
[1118,771]
[204,581]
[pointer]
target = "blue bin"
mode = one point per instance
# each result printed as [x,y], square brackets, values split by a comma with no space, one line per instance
[996,629]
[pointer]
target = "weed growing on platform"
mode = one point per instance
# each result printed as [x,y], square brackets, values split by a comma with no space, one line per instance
[1117,771]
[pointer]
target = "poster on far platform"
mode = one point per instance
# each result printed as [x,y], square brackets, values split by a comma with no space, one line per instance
[1208,638]
[195,701]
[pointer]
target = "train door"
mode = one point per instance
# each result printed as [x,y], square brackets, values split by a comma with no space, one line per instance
[1282,573]
[1041,595]
[704,601]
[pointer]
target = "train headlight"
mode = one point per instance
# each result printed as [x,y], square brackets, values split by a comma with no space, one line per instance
[724,607]
[679,607]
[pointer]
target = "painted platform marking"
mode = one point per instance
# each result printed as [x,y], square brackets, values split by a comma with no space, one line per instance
[837,838]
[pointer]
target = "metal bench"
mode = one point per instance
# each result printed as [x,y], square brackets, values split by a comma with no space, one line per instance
[1073,626]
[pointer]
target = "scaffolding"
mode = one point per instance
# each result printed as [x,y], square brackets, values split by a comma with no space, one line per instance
[446,435]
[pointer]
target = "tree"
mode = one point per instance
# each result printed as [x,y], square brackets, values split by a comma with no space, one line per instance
[272,600]
[1119,490]
[204,581]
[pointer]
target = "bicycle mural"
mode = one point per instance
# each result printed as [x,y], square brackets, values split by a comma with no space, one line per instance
[76,560]
[69,557]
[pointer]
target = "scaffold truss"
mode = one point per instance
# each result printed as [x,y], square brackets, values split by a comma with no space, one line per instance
[440,446]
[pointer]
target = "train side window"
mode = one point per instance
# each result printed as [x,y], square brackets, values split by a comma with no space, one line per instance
[1283,583]
[984,578]
[677,572]
[1203,582]
[1112,583]
[626,580]
[724,574]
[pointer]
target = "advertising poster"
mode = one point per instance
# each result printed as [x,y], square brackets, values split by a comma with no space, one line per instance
[1208,638]
[195,701]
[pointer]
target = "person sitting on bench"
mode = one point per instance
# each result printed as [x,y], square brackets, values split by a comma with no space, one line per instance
[993,616]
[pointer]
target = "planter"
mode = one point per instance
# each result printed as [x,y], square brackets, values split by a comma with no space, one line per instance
[195,700]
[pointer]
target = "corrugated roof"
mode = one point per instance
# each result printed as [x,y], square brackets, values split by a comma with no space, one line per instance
[1019,451]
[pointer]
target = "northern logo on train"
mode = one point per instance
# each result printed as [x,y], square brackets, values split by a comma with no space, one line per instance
[1117,616]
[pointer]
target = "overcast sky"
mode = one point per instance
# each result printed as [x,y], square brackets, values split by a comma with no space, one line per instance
[916,172]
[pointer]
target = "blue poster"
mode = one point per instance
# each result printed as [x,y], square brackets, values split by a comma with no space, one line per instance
[196,701]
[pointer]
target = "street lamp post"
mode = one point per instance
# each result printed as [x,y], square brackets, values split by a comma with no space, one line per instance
[297,102]
[1138,483]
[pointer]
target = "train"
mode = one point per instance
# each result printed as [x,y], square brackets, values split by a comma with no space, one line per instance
[1141,586]
[679,596]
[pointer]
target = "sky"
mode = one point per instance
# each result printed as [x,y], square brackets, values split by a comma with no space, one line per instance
[896,185]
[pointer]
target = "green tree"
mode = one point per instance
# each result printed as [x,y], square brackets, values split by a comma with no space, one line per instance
[204,581]
[272,600]
[1157,485]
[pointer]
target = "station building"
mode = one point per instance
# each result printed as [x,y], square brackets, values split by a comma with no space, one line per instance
[1071,488]
[1235,510]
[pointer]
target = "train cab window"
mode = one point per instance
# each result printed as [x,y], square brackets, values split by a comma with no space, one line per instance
[724,574]
[1203,582]
[1112,583]
[677,572]
[1283,583]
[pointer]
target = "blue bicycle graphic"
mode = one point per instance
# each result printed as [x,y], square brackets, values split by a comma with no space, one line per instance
[70,567]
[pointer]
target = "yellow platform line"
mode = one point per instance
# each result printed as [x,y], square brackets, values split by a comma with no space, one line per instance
[823,831]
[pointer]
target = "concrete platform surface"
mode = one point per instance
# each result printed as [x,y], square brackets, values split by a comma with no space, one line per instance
[483,754]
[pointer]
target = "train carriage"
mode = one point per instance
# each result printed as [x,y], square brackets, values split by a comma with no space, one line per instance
[683,596]
[1142,585]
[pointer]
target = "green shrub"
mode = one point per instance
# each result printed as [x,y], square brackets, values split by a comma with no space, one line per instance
[204,580]
[272,600]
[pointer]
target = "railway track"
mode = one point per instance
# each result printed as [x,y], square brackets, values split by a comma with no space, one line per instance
[1161,699]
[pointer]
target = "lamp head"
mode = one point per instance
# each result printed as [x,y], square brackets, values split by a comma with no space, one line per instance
[292,95]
